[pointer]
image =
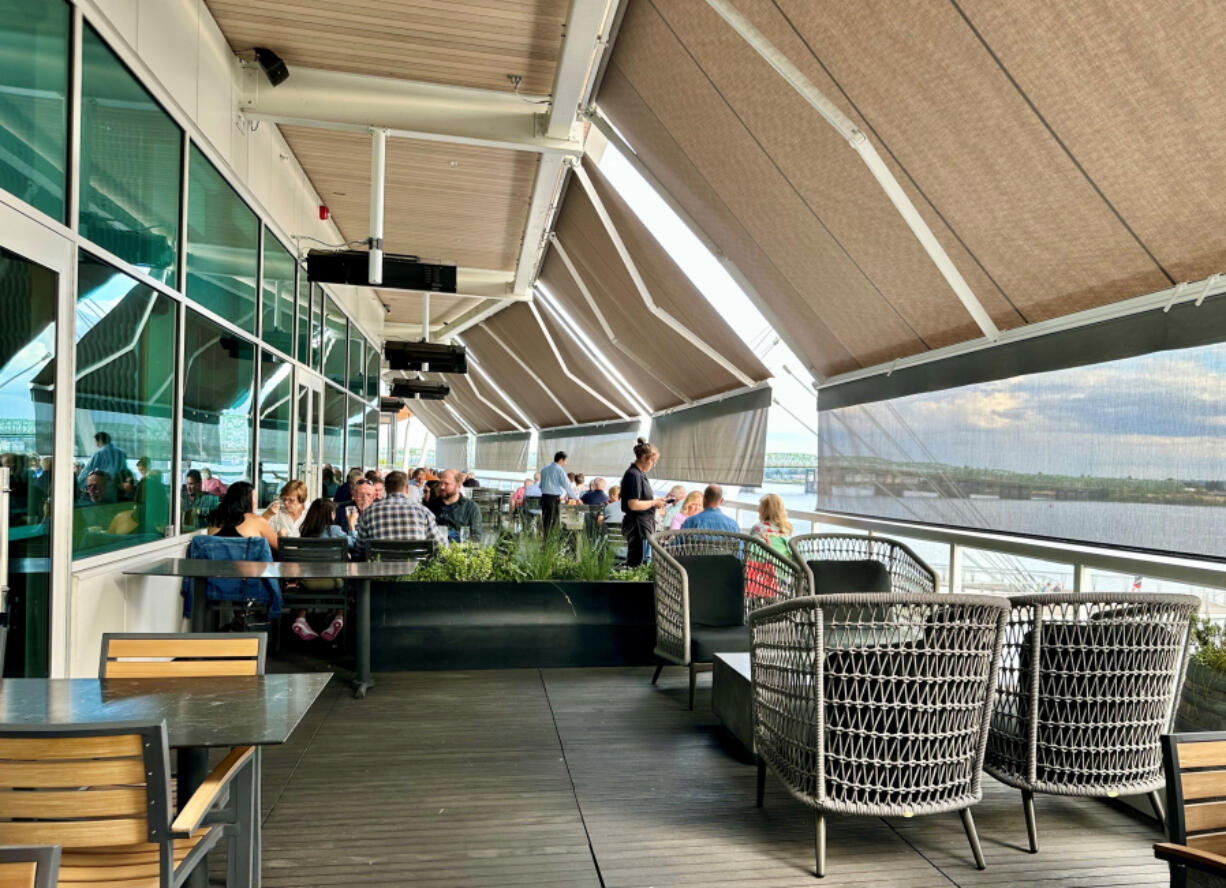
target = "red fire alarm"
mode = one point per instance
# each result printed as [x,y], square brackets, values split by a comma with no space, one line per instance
[323,212]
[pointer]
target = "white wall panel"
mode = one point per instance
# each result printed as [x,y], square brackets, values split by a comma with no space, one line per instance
[167,34]
[214,88]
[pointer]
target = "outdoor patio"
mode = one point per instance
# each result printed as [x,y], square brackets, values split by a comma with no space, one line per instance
[592,777]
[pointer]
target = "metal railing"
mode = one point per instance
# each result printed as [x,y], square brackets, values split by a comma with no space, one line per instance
[982,561]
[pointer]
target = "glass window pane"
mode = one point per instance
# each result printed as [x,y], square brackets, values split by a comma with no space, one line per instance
[27,435]
[357,363]
[355,443]
[277,304]
[222,242]
[304,317]
[372,372]
[123,426]
[372,438]
[336,336]
[336,403]
[317,330]
[130,158]
[274,426]
[217,414]
[33,102]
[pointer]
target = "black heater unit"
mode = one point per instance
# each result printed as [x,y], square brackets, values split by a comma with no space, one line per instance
[410,389]
[352,267]
[436,357]
[390,405]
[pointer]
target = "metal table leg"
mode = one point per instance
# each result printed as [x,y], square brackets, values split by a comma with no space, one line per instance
[193,768]
[200,586]
[364,681]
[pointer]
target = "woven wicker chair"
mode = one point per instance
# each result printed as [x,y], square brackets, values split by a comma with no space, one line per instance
[864,705]
[1087,720]
[844,562]
[707,582]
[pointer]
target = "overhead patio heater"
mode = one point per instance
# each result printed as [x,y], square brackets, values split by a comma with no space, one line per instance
[352,267]
[411,389]
[437,357]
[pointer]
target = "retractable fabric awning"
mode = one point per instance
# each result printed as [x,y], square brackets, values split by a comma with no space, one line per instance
[1058,166]
[502,453]
[434,416]
[665,367]
[481,417]
[517,328]
[722,441]
[605,449]
[451,452]
[531,395]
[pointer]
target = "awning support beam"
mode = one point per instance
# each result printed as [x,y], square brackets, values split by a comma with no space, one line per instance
[641,286]
[475,366]
[502,345]
[604,324]
[565,369]
[488,403]
[864,147]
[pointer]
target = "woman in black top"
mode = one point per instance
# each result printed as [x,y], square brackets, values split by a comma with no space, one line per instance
[639,503]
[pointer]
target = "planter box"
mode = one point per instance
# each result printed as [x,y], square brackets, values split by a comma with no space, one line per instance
[500,625]
[1202,707]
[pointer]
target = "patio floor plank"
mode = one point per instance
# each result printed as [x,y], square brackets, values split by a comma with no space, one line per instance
[504,777]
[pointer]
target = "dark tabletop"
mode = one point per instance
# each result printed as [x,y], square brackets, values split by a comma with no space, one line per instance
[287,570]
[227,711]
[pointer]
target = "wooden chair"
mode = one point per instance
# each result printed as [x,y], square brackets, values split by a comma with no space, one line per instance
[30,866]
[170,655]
[102,792]
[1195,766]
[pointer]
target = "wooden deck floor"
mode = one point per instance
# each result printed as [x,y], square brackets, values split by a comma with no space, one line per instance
[593,777]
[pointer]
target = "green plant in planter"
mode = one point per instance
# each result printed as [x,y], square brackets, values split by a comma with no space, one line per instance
[517,559]
[1209,641]
[641,574]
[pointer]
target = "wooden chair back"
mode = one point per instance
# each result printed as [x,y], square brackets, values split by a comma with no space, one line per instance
[170,655]
[84,787]
[29,866]
[1195,766]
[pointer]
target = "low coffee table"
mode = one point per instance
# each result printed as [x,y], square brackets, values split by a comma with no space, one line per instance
[731,699]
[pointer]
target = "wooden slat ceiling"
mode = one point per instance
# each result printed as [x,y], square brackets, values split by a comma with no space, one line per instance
[474,43]
[1065,157]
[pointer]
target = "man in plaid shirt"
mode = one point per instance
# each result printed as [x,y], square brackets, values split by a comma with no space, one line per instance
[396,517]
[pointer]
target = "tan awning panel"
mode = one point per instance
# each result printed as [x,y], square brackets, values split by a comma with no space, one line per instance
[1025,223]
[474,382]
[672,359]
[480,416]
[511,378]
[516,328]
[434,417]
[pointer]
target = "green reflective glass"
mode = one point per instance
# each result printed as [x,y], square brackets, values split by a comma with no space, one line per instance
[130,163]
[335,406]
[357,362]
[33,102]
[372,438]
[218,371]
[274,426]
[317,328]
[27,429]
[372,372]
[123,427]
[303,313]
[277,300]
[335,339]
[222,244]
[355,444]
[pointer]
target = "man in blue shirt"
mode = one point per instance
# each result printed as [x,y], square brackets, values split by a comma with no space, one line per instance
[711,518]
[107,458]
[554,486]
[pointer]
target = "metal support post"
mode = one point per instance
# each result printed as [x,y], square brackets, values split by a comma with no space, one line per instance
[378,178]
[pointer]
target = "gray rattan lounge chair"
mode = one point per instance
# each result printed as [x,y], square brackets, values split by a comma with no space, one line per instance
[870,705]
[1087,720]
[706,583]
[844,562]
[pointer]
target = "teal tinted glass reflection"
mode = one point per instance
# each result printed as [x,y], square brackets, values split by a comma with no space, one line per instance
[27,436]
[372,438]
[317,328]
[355,443]
[335,406]
[222,245]
[33,102]
[218,371]
[274,407]
[372,372]
[130,158]
[357,362]
[123,426]
[304,317]
[335,340]
[277,300]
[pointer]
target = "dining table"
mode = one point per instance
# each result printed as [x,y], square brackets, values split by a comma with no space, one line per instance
[200,714]
[362,573]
